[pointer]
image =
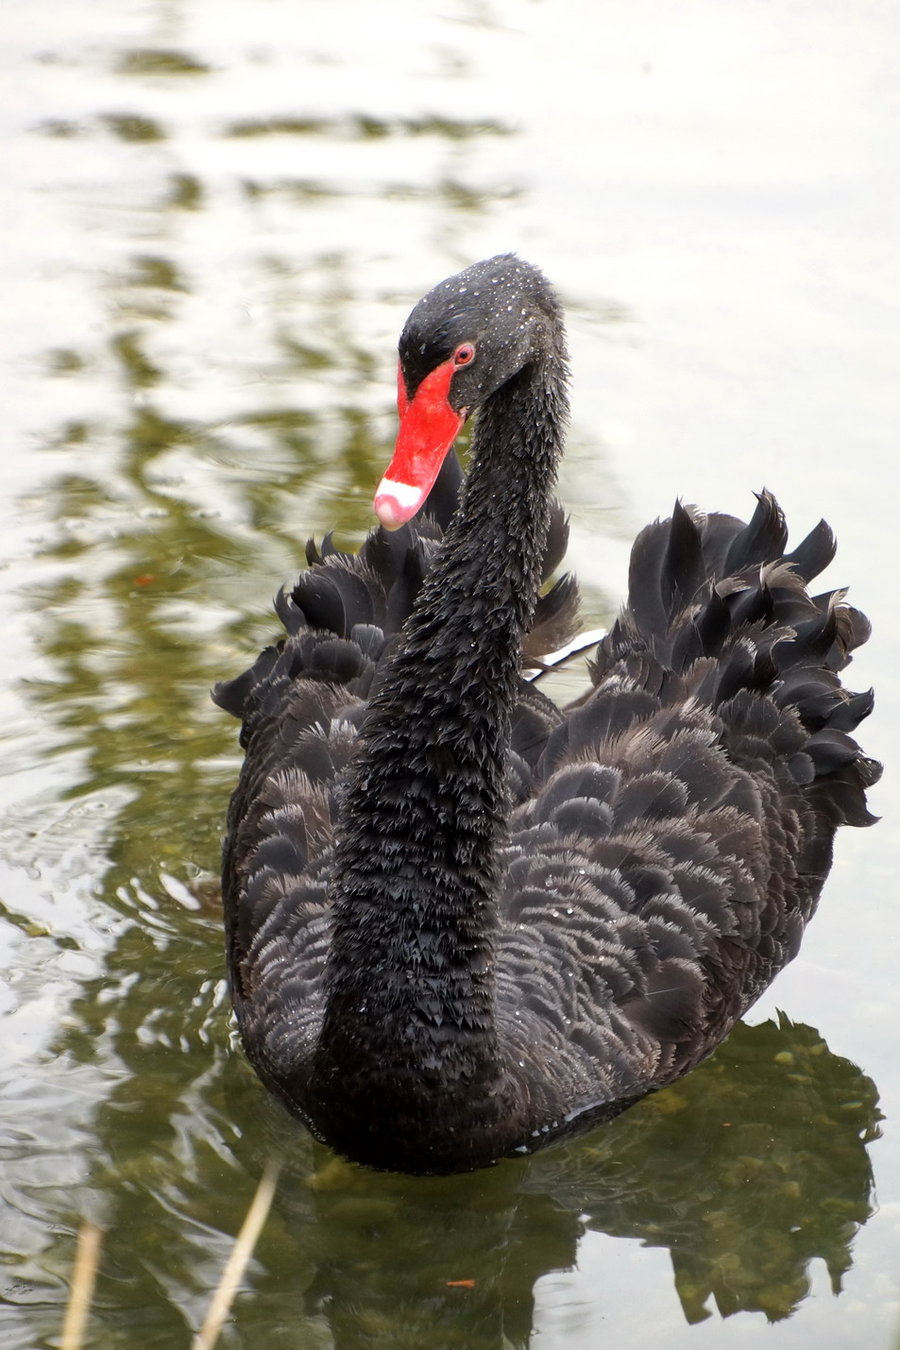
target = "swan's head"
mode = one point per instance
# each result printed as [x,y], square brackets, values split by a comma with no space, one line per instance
[463,340]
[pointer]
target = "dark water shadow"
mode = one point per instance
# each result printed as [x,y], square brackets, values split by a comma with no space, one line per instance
[746,1171]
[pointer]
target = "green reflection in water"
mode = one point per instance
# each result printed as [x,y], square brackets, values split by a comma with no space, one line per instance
[186,192]
[362,126]
[159,61]
[131,681]
[133,127]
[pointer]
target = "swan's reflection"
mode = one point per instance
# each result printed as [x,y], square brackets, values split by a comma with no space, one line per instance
[746,1170]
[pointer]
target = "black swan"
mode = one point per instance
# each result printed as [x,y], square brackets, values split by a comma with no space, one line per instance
[462,921]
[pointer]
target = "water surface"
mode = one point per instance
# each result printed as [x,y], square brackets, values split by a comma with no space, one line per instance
[214,218]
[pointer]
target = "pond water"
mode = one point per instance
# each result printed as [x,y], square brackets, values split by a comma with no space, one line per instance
[214,217]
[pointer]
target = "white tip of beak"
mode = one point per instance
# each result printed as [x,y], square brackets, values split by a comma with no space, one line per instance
[396,503]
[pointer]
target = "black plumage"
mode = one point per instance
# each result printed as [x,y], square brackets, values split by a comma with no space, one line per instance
[462,921]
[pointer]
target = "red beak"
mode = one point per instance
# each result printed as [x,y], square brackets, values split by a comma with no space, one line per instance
[428,428]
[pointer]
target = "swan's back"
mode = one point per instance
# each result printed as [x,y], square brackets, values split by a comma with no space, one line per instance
[678,825]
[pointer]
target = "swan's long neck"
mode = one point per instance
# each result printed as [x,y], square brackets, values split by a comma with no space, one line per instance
[409,986]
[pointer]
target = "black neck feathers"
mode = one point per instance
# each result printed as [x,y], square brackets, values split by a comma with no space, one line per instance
[409,986]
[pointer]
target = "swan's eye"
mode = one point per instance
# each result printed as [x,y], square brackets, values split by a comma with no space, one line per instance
[464,354]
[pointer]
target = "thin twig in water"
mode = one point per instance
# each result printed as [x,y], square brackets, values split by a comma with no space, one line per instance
[237,1261]
[87,1256]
